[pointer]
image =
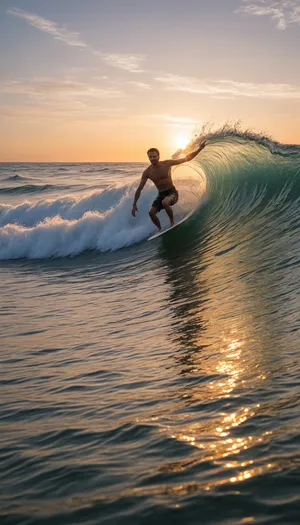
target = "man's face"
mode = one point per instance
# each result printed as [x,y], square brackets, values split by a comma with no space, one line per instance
[153,157]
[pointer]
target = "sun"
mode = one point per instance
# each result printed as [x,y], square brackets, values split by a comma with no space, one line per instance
[181,140]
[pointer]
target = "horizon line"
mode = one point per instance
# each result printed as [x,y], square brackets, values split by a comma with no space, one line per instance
[72,162]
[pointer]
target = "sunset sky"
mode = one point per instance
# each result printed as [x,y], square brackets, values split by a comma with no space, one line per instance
[103,80]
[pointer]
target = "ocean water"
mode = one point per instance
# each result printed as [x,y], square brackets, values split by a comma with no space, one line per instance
[152,382]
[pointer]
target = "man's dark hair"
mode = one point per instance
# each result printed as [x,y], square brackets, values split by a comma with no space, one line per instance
[151,150]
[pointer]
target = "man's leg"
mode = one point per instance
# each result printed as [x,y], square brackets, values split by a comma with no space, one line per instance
[167,207]
[154,218]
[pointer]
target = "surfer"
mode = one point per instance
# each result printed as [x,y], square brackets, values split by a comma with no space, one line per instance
[159,172]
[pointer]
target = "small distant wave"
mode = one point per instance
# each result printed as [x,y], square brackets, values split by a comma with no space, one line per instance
[32,188]
[65,168]
[17,178]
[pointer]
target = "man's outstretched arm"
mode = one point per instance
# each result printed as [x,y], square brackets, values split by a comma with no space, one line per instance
[138,192]
[188,157]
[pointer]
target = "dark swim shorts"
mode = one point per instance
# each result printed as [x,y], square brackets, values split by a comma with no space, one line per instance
[171,192]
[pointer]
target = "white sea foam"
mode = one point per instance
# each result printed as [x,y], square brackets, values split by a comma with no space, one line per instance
[55,235]
[29,214]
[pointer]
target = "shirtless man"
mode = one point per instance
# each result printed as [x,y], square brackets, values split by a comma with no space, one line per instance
[159,172]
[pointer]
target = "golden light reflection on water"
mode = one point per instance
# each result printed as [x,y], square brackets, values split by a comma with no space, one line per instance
[216,449]
[229,366]
[216,437]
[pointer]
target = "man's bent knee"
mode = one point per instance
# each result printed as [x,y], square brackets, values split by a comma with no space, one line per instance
[152,212]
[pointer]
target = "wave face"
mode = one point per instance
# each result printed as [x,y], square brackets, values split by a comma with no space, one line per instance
[240,175]
[253,190]
[244,162]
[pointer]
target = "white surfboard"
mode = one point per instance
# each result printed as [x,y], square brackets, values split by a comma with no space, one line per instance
[158,234]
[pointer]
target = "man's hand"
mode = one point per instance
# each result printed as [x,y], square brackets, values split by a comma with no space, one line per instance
[194,154]
[134,209]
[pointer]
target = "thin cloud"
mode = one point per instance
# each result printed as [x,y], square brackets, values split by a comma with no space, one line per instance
[128,62]
[217,88]
[182,121]
[284,13]
[140,85]
[47,26]
[52,88]
[58,112]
